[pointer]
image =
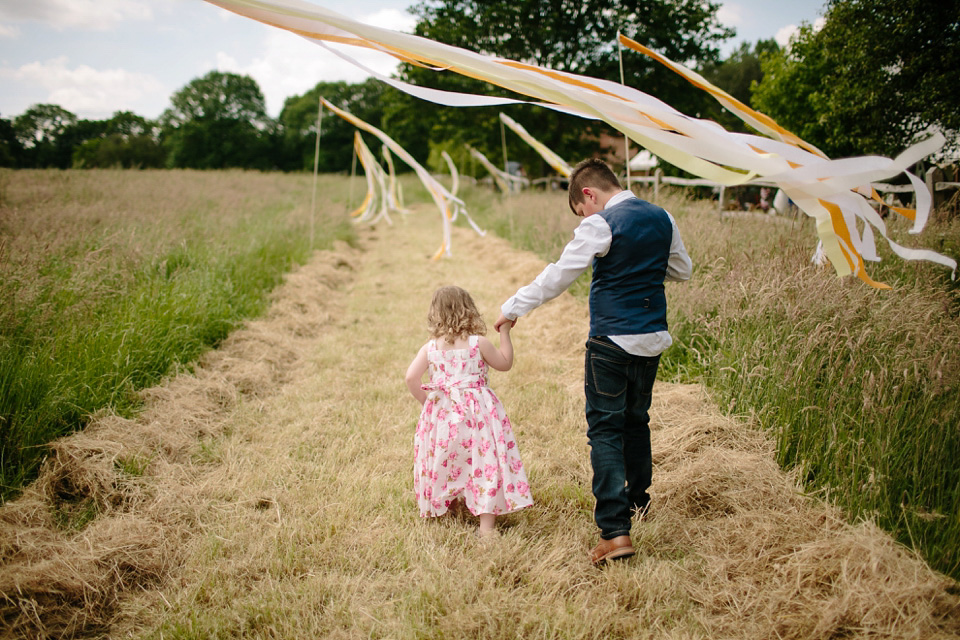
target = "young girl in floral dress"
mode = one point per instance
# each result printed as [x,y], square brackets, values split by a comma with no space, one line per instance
[464,448]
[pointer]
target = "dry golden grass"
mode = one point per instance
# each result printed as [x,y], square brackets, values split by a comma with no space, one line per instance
[276,498]
[860,387]
[109,218]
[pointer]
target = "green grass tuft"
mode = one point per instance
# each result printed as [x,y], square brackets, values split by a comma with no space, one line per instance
[113,279]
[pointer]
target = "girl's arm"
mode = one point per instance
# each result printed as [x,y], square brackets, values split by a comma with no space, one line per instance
[415,373]
[500,359]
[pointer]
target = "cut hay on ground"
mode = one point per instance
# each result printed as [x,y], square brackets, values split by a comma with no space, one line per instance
[277,499]
[115,504]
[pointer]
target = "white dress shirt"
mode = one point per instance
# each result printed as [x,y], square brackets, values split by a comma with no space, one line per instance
[591,239]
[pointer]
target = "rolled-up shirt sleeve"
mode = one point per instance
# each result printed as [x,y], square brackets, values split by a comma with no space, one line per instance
[679,265]
[591,238]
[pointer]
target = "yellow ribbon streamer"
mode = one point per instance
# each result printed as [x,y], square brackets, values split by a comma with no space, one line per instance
[819,186]
[559,164]
[441,197]
[500,177]
[454,174]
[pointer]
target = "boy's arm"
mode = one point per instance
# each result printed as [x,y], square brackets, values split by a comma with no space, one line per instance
[679,265]
[415,373]
[591,238]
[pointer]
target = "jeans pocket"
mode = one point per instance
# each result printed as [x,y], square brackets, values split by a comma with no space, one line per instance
[608,376]
[649,376]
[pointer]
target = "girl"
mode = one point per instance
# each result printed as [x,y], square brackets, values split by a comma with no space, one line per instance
[464,447]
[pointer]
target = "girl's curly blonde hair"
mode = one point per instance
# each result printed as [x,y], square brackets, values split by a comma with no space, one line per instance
[453,314]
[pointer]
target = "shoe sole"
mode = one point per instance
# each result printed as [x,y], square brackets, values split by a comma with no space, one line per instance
[616,554]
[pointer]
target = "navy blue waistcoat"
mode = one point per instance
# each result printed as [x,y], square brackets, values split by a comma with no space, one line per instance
[626,294]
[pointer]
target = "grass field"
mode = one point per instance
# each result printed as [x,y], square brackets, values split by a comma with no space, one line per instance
[110,279]
[265,490]
[861,387]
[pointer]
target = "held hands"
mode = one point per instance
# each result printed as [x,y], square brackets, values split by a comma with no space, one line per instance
[503,323]
[500,358]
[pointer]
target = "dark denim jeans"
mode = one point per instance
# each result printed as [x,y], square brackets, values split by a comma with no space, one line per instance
[619,388]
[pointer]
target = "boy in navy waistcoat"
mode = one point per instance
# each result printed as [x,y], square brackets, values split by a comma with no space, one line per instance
[633,246]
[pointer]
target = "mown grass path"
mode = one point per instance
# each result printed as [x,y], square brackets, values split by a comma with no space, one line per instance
[296,517]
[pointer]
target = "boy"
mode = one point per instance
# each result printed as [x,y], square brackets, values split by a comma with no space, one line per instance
[634,247]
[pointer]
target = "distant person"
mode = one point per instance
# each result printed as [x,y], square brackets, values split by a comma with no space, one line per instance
[634,246]
[464,448]
[765,200]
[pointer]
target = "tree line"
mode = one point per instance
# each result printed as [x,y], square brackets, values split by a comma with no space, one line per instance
[876,75]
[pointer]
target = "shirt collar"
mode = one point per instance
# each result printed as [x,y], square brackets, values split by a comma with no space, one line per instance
[620,197]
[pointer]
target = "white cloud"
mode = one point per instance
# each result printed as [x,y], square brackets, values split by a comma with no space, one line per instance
[391,19]
[289,65]
[731,14]
[95,15]
[784,34]
[88,92]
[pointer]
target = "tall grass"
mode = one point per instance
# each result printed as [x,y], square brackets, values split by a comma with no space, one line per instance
[111,279]
[860,387]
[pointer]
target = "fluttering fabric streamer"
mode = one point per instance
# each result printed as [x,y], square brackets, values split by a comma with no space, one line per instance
[444,200]
[767,125]
[559,164]
[395,194]
[363,211]
[501,178]
[454,174]
[376,177]
[833,192]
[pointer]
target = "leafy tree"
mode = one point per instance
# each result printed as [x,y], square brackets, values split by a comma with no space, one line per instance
[42,123]
[218,96]
[876,75]
[218,121]
[74,136]
[735,75]
[127,123]
[578,36]
[39,130]
[11,151]
[125,140]
[298,124]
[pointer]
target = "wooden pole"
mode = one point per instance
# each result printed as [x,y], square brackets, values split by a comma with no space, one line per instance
[503,144]
[316,167]
[353,172]
[626,139]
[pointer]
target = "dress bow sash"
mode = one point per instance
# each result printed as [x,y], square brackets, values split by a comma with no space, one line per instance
[452,391]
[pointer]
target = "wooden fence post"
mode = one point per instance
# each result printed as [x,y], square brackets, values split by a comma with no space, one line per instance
[656,185]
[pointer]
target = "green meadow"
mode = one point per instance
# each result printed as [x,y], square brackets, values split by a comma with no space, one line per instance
[111,280]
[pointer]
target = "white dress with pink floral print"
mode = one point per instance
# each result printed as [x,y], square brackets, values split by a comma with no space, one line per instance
[464,447]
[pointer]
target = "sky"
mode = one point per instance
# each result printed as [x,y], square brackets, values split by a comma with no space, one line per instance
[96,57]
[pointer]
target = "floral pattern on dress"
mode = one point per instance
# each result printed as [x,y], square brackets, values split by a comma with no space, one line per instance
[464,447]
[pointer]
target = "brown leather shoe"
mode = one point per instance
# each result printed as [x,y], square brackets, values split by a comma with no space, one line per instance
[619,547]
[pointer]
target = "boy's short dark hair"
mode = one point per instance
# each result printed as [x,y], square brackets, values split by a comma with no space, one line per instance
[592,172]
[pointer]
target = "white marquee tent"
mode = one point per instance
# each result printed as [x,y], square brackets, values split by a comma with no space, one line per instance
[643,161]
